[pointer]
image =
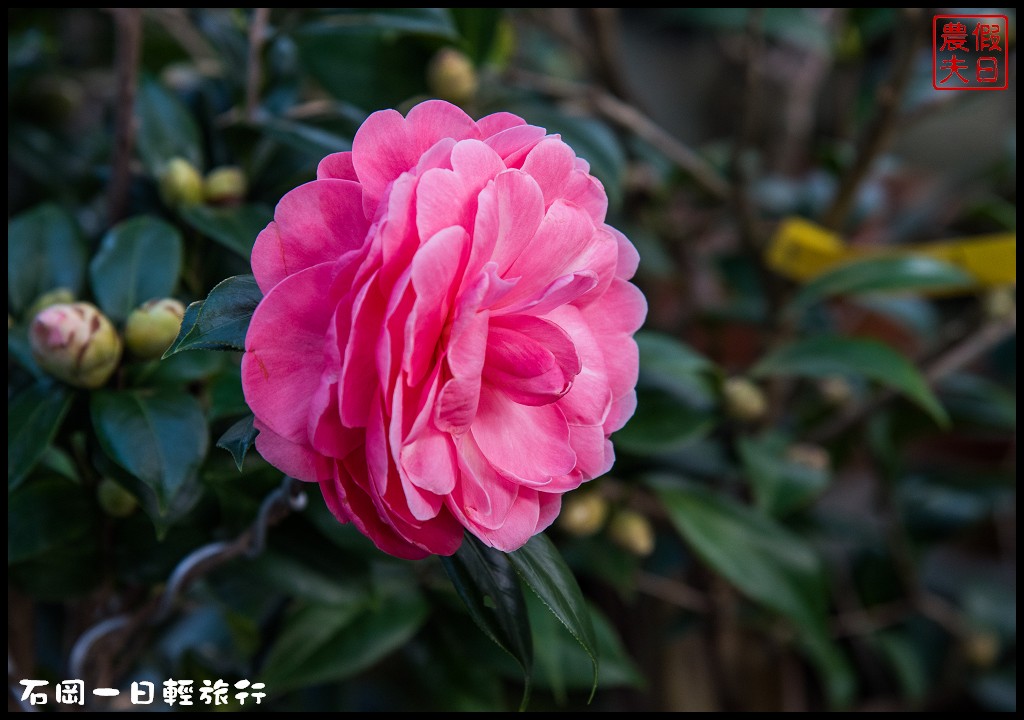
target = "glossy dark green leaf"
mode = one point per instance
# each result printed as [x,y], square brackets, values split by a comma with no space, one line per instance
[562,665]
[781,483]
[158,436]
[45,251]
[221,321]
[235,228]
[238,438]
[974,400]
[673,366]
[45,514]
[303,137]
[166,129]
[760,557]
[138,260]
[33,418]
[373,59]
[663,423]
[542,568]
[326,643]
[906,662]
[829,355]
[478,28]
[488,585]
[881,274]
[766,562]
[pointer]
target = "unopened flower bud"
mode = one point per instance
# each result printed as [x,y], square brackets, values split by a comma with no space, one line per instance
[114,499]
[810,456]
[744,401]
[1000,303]
[75,343]
[225,185]
[181,184]
[53,297]
[836,390]
[633,532]
[152,327]
[982,649]
[451,76]
[583,513]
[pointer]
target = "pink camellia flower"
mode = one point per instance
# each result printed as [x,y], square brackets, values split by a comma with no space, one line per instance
[445,339]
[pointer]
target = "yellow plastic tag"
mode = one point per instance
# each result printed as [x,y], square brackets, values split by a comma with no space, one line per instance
[802,250]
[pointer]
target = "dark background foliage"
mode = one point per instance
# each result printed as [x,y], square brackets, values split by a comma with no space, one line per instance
[814,506]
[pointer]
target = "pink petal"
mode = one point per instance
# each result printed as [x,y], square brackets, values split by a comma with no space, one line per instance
[522,441]
[359,385]
[518,213]
[387,145]
[498,122]
[291,458]
[338,166]
[516,141]
[550,164]
[589,398]
[315,223]
[284,356]
[531,360]
[467,346]
[435,270]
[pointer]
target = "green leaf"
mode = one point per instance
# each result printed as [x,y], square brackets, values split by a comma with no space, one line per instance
[478,28]
[166,129]
[46,514]
[563,665]
[662,424]
[138,260]
[542,568]
[221,321]
[673,366]
[239,438]
[752,551]
[781,485]
[328,643]
[235,228]
[974,400]
[33,418]
[44,252]
[766,562]
[373,59]
[880,274]
[303,137]
[908,665]
[481,574]
[829,355]
[159,436]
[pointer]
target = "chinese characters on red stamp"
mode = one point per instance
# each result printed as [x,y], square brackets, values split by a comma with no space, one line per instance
[969,52]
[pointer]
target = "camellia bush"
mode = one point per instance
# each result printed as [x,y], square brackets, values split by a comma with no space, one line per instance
[472,359]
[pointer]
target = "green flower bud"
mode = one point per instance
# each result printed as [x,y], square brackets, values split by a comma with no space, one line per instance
[451,76]
[225,185]
[152,327]
[633,532]
[53,297]
[583,513]
[836,390]
[181,184]
[114,499]
[744,401]
[810,456]
[75,343]
[1000,303]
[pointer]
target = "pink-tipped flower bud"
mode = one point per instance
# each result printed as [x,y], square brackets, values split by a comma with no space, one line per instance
[152,327]
[75,343]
